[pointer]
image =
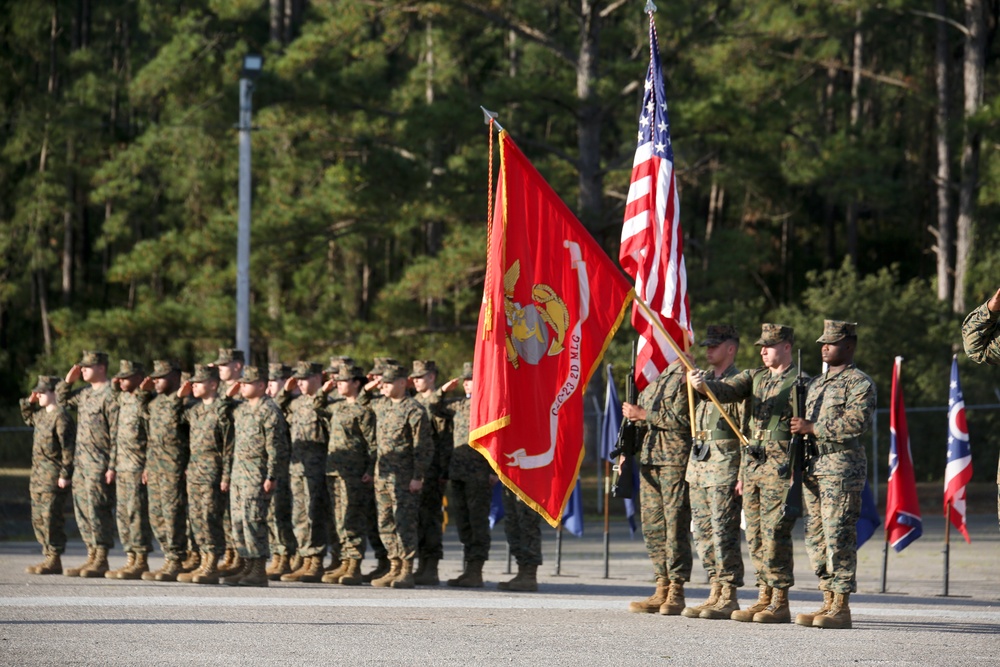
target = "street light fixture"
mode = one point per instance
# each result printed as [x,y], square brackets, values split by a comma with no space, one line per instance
[252,66]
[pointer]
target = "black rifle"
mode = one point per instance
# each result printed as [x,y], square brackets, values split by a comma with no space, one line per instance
[627,445]
[799,450]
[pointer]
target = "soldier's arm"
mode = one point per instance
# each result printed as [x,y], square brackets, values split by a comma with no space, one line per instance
[28,411]
[277,443]
[66,396]
[111,409]
[367,424]
[981,335]
[856,416]
[226,433]
[423,443]
[738,387]
[66,432]
[669,410]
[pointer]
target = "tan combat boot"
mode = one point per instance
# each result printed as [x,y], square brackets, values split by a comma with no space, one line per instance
[171,568]
[312,570]
[140,566]
[505,585]
[675,600]
[208,573]
[227,563]
[725,606]
[526,580]
[297,573]
[294,562]
[839,615]
[98,567]
[763,599]
[188,577]
[51,565]
[471,578]
[279,566]
[333,575]
[651,605]
[713,597]
[255,575]
[234,566]
[777,611]
[807,619]
[381,569]
[395,565]
[352,573]
[235,578]
[75,571]
[129,562]
[429,575]
[405,578]
[192,562]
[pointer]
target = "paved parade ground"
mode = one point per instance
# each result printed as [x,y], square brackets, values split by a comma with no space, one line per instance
[577,618]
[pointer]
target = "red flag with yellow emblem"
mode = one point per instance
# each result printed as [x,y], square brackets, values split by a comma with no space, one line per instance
[551,304]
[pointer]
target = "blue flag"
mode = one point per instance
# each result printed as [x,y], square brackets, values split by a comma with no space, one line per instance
[496,505]
[573,514]
[609,438]
[869,519]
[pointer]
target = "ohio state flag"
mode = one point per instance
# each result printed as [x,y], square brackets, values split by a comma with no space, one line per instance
[552,301]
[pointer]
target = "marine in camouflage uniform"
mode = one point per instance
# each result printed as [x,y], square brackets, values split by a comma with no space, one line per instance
[768,530]
[405,451]
[839,408]
[280,528]
[52,446]
[472,480]
[166,460]
[260,454]
[93,471]
[712,476]
[230,365]
[431,525]
[210,425]
[368,396]
[307,428]
[981,337]
[350,472]
[662,413]
[130,461]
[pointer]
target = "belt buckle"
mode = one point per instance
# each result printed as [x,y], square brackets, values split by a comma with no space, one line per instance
[701,435]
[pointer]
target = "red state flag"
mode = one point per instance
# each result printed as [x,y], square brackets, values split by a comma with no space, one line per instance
[551,304]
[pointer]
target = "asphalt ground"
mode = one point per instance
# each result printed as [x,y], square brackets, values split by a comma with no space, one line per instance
[577,618]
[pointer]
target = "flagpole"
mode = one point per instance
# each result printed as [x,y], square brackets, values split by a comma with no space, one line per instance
[607,517]
[885,561]
[559,534]
[655,319]
[947,545]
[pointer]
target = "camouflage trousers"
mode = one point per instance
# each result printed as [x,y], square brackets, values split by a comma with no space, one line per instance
[48,514]
[281,532]
[168,512]
[227,521]
[831,500]
[523,528]
[431,520]
[666,521]
[132,512]
[470,506]
[249,508]
[351,505]
[715,511]
[398,513]
[310,514]
[205,517]
[374,536]
[769,532]
[94,507]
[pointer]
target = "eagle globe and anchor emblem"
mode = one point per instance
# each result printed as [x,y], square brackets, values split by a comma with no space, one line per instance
[537,329]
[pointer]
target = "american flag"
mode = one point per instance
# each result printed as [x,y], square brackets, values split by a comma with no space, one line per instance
[902,508]
[652,247]
[958,471]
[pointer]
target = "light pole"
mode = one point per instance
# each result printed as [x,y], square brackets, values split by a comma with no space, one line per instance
[252,65]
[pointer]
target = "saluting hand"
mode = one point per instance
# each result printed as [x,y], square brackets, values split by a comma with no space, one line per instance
[185,390]
[146,384]
[994,303]
[329,386]
[234,389]
[74,374]
[450,384]
[290,384]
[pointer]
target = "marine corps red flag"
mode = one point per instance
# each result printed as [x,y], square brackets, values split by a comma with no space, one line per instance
[551,303]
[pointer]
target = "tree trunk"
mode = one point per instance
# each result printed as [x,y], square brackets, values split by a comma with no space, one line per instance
[67,249]
[277,21]
[591,179]
[944,231]
[973,66]
[829,223]
[43,306]
[856,63]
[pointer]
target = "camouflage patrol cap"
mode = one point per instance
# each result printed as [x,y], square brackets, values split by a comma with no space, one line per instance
[837,330]
[381,363]
[772,334]
[163,367]
[466,371]
[46,383]
[253,374]
[128,368]
[422,367]
[94,358]
[346,373]
[205,373]
[228,355]
[336,362]
[306,369]
[279,371]
[393,372]
[720,333]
